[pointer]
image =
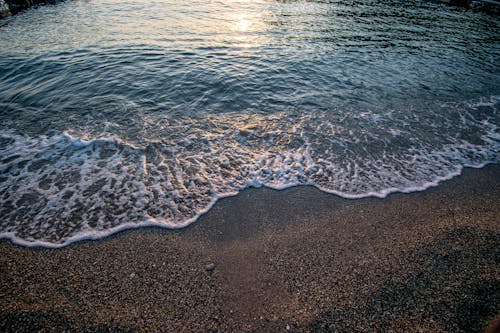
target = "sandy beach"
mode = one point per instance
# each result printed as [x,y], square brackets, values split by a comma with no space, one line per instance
[128,127]
[296,260]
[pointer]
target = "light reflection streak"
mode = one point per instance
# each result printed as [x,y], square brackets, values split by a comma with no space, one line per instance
[237,24]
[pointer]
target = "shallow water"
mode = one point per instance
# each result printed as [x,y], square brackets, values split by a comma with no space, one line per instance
[118,114]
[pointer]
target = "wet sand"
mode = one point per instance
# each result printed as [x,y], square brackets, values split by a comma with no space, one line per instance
[271,261]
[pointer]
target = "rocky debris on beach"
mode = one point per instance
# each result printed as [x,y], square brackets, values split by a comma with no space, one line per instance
[4,9]
[12,7]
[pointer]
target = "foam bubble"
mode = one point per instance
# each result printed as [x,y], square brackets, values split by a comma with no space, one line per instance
[63,187]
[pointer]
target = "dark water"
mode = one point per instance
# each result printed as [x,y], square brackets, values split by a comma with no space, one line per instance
[123,113]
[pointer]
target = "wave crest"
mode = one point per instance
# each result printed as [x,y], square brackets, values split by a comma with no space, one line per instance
[66,186]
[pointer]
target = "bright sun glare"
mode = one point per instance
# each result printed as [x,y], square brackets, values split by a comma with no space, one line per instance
[243,23]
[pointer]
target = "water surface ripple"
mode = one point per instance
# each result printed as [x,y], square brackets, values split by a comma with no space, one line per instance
[119,114]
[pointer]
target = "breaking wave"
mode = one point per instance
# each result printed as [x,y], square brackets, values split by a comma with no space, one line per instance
[67,186]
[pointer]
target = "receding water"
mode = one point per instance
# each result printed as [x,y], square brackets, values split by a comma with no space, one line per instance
[117,114]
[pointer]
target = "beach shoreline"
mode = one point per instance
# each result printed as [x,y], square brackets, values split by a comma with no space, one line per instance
[268,261]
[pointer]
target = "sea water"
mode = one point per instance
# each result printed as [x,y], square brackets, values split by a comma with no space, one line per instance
[118,114]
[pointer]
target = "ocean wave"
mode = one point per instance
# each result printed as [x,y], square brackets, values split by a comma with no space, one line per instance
[66,186]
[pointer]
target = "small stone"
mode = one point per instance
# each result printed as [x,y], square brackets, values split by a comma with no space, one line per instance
[132,275]
[287,327]
[210,267]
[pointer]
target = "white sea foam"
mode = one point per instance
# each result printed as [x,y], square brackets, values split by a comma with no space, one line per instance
[60,188]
